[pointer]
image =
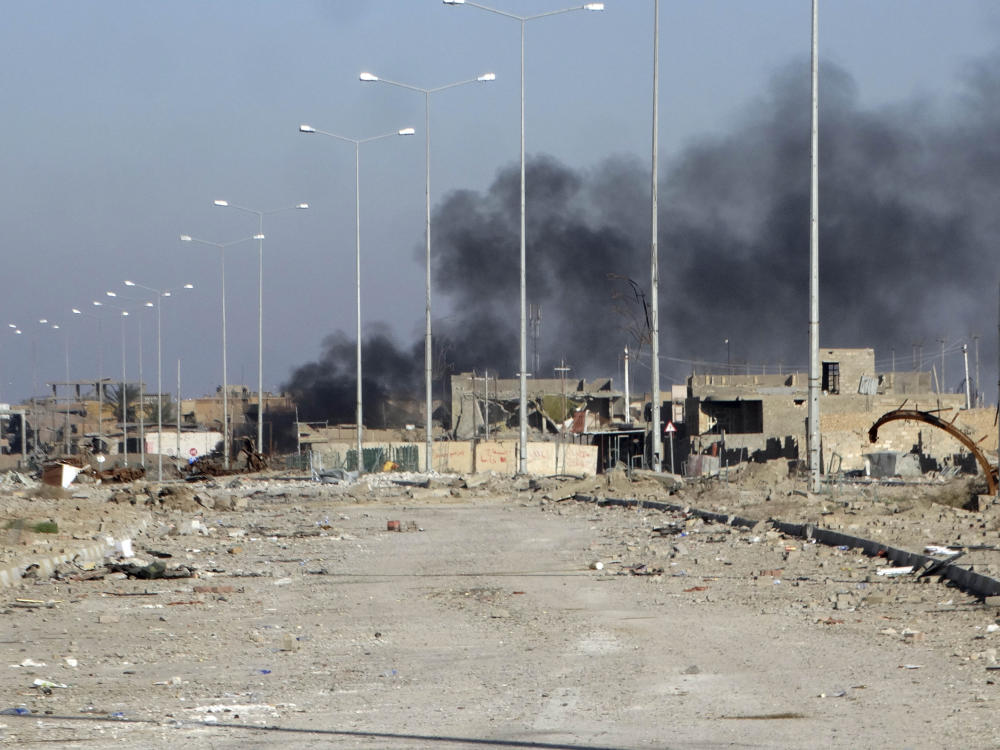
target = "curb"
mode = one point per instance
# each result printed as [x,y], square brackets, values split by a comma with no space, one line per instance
[975,583]
[14,574]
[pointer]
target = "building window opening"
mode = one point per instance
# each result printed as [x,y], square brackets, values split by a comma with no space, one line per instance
[831,377]
[735,417]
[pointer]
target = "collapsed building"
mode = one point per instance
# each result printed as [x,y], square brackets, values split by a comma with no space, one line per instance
[84,417]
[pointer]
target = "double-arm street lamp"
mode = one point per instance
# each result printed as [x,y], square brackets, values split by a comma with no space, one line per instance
[141,411]
[523,20]
[123,398]
[100,375]
[428,349]
[260,302]
[160,294]
[357,251]
[225,377]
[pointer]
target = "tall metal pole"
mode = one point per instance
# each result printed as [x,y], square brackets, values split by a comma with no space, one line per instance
[523,374]
[814,373]
[260,304]
[159,395]
[260,332]
[428,348]
[357,257]
[357,287]
[968,392]
[628,398]
[428,340]
[522,465]
[100,384]
[178,407]
[486,409]
[142,402]
[943,387]
[979,387]
[124,398]
[654,271]
[225,371]
[66,445]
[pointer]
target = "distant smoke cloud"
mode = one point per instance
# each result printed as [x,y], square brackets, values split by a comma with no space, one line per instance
[908,227]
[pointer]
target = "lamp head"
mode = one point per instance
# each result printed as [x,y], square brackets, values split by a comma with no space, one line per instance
[407,131]
[129,283]
[185,238]
[258,237]
[487,77]
[111,294]
[150,304]
[43,321]
[307,129]
[594,6]
[454,2]
[221,203]
[189,286]
[77,312]
[98,304]
[11,325]
[368,77]
[302,206]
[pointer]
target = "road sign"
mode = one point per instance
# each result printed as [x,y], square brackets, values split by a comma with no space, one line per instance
[670,427]
[193,451]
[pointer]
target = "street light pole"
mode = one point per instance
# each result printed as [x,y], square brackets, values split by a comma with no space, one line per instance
[814,372]
[100,376]
[309,129]
[141,410]
[160,294]
[654,276]
[523,451]
[225,377]
[260,303]
[123,396]
[428,348]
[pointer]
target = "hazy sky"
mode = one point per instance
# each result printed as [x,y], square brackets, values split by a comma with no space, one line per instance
[123,121]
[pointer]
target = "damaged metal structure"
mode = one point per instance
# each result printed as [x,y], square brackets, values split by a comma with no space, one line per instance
[481,405]
[931,418]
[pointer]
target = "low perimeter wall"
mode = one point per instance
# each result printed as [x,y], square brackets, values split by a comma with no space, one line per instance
[467,457]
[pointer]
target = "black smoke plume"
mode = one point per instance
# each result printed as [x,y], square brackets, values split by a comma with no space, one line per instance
[908,217]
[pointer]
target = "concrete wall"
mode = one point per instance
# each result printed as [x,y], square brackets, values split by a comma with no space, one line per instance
[200,442]
[847,435]
[853,364]
[499,456]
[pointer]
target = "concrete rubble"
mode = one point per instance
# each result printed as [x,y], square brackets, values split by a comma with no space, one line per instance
[198,594]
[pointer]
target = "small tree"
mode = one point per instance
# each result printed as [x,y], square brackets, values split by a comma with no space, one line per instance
[131,396]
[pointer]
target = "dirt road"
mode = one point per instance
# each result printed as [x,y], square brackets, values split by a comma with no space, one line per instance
[490,625]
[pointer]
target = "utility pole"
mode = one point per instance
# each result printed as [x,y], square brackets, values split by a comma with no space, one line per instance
[944,381]
[979,388]
[965,356]
[486,404]
[654,260]
[628,410]
[562,370]
[535,315]
[814,374]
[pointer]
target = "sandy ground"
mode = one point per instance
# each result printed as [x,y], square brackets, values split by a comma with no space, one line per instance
[505,614]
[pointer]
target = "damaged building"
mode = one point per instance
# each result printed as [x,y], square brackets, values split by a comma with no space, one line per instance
[734,418]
